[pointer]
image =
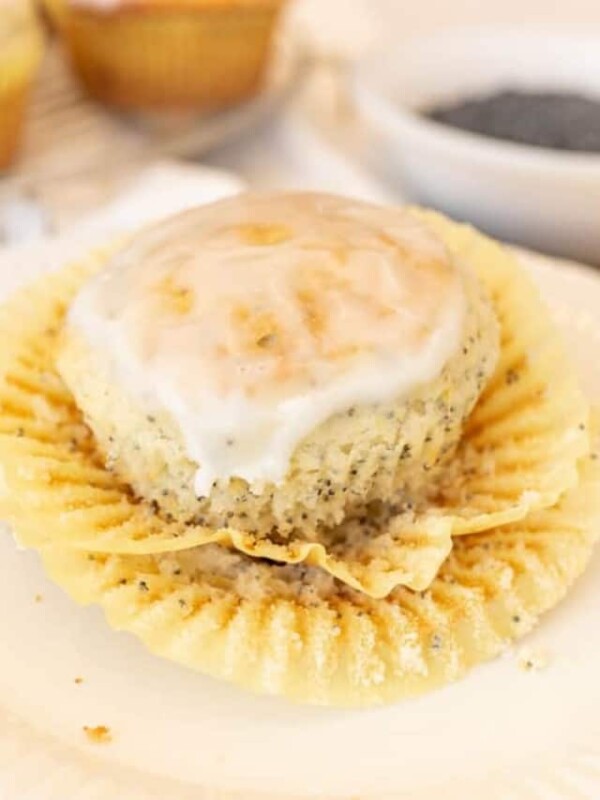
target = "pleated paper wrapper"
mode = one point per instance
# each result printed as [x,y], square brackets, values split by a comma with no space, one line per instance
[298,632]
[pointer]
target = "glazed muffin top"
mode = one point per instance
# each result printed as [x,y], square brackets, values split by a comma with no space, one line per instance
[253,320]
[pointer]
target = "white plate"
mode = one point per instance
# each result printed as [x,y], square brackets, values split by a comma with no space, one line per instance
[501,734]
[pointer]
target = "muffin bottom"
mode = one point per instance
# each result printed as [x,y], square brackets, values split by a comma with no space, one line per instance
[157,58]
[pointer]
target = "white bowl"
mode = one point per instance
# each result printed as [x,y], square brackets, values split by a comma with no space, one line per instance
[545,199]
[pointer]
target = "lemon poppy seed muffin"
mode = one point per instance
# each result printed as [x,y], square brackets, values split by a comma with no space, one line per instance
[169,54]
[21,45]
[279,362]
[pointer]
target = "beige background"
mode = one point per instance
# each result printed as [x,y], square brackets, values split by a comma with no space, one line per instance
[349,27]
[417,16]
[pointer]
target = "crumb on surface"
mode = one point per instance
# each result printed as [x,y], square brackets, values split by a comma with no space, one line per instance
[99,734]
[38,598]
[532,659]
[78,680]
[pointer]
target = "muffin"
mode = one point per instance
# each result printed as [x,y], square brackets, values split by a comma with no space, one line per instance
[519,451]
[169,54]
[390,603]
[279,361]
[20,53]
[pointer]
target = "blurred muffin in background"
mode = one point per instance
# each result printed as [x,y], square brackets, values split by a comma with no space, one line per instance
[168,54]
[20,52]
[53,12]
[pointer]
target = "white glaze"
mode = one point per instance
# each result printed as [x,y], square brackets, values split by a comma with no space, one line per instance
[253,320]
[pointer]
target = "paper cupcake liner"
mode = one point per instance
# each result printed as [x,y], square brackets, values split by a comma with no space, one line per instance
[523,441]
[525,458]
[296,632]
[192,56]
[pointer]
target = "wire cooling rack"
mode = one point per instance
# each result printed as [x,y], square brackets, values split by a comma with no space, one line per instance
[77,153]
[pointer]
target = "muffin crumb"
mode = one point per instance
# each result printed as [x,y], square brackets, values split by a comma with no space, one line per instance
[99,734]
[531,659]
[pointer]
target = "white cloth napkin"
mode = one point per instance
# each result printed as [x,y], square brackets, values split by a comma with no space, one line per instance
[158,191]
